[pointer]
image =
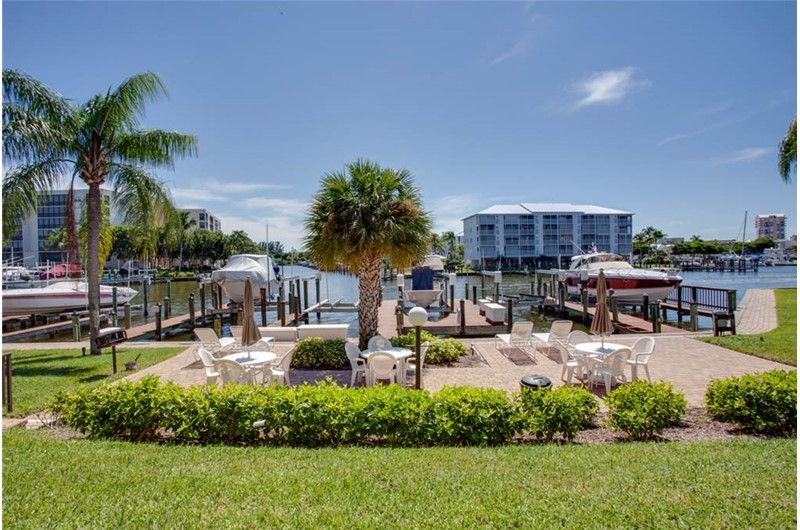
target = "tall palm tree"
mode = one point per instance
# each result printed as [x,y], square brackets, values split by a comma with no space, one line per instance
[100,141]
[184,223]
[358,217]
[787,152]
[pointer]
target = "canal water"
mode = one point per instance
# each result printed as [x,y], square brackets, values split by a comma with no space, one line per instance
[335,286]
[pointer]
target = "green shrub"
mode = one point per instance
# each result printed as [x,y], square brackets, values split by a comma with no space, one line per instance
[763,403]
[322,354]
[545,412]
[323,414]
[440,351]
[642,409]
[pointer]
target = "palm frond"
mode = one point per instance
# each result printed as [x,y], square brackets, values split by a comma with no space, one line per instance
[122,107]
[144,200]
[28,137]
[154,148]
[22,186]
[33,95]
[787,152]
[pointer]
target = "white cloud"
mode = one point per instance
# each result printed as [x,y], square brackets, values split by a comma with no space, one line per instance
[744,155]
[448,211]
[193,194]
[609,87]
[287,230]
[288,207]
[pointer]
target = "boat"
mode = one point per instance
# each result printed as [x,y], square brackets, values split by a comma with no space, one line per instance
[58,297]
[257,267]
[629,284]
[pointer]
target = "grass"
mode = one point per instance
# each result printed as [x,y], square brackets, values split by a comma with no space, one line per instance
[40,374]
[79,483]
[779,344]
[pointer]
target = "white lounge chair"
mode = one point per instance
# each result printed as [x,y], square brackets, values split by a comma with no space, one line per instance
[520,336]
[209,340]
[641,352]
[357,364]
[559,330]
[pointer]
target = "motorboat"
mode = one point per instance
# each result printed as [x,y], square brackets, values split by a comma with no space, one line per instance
[58,297]
[240,267]
[629,284]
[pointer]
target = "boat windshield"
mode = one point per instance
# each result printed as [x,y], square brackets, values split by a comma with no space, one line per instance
[591,259]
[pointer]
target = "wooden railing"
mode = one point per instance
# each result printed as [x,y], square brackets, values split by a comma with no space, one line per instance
[708,299]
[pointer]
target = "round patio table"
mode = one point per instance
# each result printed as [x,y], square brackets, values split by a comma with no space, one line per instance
[401,354]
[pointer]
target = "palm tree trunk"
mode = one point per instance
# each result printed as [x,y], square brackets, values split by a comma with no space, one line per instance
[369,297]
[93,205]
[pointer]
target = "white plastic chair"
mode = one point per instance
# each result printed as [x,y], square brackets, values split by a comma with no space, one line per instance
[209,340]
[231,372]
[381,365]
[574,338]
[520,336]
[559,330]
[641,351]
[411,364]
[377,342]
[612,369]
[357,364]
[208,364]
[280,370]
[569,363]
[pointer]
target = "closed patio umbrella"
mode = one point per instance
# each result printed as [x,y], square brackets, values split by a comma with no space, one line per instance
[250,332]
[601,323]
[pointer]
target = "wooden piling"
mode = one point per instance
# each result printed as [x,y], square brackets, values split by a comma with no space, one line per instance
[191,310]
[76,327]
[462,319]
[202,305]
[158,322]
[319,299]
[126,308]
[263,300]
[585,305]
[509,314]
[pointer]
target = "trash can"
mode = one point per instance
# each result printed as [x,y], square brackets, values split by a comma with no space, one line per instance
[535,382]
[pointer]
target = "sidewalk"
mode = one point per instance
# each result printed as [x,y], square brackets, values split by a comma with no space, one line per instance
[756,313]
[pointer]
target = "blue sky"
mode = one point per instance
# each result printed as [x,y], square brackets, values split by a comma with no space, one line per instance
[671,110]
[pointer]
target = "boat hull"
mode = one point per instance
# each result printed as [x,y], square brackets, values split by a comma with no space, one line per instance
[58,297]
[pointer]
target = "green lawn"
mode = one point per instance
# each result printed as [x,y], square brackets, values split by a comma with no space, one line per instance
[780,344]
[80,483]
[40,374]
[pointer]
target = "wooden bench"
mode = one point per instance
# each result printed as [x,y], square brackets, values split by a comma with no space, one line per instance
[324,331]
[495,313]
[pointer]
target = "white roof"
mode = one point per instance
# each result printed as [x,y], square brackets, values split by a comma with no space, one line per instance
[549,207]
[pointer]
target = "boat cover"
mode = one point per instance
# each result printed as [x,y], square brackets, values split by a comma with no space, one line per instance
[242,266]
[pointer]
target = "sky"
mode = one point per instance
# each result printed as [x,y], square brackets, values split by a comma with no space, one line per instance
[671,110]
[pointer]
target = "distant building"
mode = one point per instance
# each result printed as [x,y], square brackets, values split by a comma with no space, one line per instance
[772,225]
[537,234]
[30,246]
[204,219]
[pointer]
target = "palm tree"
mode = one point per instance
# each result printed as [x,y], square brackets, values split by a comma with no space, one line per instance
[358,217]
[787,152]
[46,138]
[184,224]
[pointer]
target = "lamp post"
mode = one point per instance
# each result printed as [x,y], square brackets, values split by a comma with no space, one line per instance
[417,317]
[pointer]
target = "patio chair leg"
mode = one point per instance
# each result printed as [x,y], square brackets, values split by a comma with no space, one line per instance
[647,371]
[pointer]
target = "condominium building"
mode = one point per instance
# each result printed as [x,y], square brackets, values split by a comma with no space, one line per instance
[32,245]
[543,234]
[204,219]
[772,225]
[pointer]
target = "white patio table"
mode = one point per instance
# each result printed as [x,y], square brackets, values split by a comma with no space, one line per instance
[596,352]
[256,359]
[401,354]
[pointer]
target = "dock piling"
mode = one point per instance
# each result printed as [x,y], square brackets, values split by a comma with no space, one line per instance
[462,319]
[202,305]
[158,322]
[76,327]
[126,309]
[191,310]
[263,296]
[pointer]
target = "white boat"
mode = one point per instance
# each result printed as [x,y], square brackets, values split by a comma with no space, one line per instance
[629,284]
[58,297]
[257,267]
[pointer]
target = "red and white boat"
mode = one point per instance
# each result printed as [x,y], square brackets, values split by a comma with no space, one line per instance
[629,284]
[58,297]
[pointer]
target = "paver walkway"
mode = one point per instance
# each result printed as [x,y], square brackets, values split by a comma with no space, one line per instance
[756,312]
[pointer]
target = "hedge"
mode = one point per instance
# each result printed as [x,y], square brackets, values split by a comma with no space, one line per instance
[322,414]
[642,409]
[440,351]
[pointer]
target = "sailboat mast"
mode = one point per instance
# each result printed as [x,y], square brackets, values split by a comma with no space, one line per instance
[744,229]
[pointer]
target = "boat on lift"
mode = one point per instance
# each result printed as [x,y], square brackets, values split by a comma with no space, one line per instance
[629,284]
[59,297]
[258,267]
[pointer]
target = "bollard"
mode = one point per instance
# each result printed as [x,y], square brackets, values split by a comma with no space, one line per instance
[202,305]
[167,309]
[475,295]
[263,300]
[158,322]
[145,283]
[585,305]
[191,310]
[76,327]
[452,298]
[462,319]
[126,309]
[645,306]
[510,314]
[693,316]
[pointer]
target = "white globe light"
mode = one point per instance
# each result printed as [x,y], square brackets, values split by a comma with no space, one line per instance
[417,316]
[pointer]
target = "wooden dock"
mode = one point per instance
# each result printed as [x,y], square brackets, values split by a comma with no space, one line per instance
[626,323]
[475,323]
